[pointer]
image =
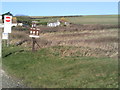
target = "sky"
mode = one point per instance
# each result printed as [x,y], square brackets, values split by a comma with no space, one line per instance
[60,8]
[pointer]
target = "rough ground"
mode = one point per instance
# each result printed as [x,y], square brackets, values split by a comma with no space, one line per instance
[76,28]
[96,40]
[9,82]
[93,43]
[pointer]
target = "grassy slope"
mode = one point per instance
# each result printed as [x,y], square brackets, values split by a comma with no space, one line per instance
[48,68]
[92,19]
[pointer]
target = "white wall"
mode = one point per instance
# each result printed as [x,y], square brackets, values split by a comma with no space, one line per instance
[53,24]
[14,24]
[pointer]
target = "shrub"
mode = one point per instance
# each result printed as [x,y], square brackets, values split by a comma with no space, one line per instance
[19,28]
[42,23]
[24,19]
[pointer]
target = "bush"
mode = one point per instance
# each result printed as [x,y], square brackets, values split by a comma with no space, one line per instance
[24,19]
[42,23]
[19,28]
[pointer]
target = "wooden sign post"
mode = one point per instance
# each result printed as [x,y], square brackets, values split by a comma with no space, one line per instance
[1,26]
[0,43]
[34,33]
[33,44]
[1,56]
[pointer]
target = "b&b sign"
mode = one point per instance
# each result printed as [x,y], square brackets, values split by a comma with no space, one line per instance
[7,24]
[34,32]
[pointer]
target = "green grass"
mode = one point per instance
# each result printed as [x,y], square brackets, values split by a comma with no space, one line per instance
[46,68]
[90,19]
[94,20]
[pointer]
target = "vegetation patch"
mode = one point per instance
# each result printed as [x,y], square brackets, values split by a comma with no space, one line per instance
[81,55]
[48,68]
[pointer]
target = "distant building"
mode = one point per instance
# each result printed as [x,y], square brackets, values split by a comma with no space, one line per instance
[14,24]
[64,21]
[14,21]
[19,24]
[53,24]
[34,23]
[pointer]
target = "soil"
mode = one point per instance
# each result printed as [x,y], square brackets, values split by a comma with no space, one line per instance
[75,27]
[89,40]
[95,40]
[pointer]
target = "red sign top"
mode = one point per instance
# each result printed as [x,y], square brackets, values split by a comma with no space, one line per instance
[7,17]
[7,20]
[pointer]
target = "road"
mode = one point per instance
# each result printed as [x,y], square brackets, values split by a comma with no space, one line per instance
[8,82]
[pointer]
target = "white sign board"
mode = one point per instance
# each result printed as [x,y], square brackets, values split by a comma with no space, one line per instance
[7,24]
[34,36]
[34,32]
[4,35]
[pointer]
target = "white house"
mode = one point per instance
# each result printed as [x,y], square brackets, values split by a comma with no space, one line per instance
[19,24]
[54,24]
[14,24]
[67,23]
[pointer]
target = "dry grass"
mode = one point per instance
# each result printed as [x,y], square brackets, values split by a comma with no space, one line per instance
[104,41]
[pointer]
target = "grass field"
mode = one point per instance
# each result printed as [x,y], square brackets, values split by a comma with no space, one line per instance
[68,57]
[91,19]
[70,64]
[48,68]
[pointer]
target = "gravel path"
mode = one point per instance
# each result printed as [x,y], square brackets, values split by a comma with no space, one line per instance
[9,82]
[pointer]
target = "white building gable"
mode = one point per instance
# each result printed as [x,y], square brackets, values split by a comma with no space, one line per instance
[54,24]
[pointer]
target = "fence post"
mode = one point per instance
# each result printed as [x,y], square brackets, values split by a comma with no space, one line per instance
[8,40]
[0,43]
[33,44]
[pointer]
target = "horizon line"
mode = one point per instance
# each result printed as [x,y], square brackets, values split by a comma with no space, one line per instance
[80,15]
